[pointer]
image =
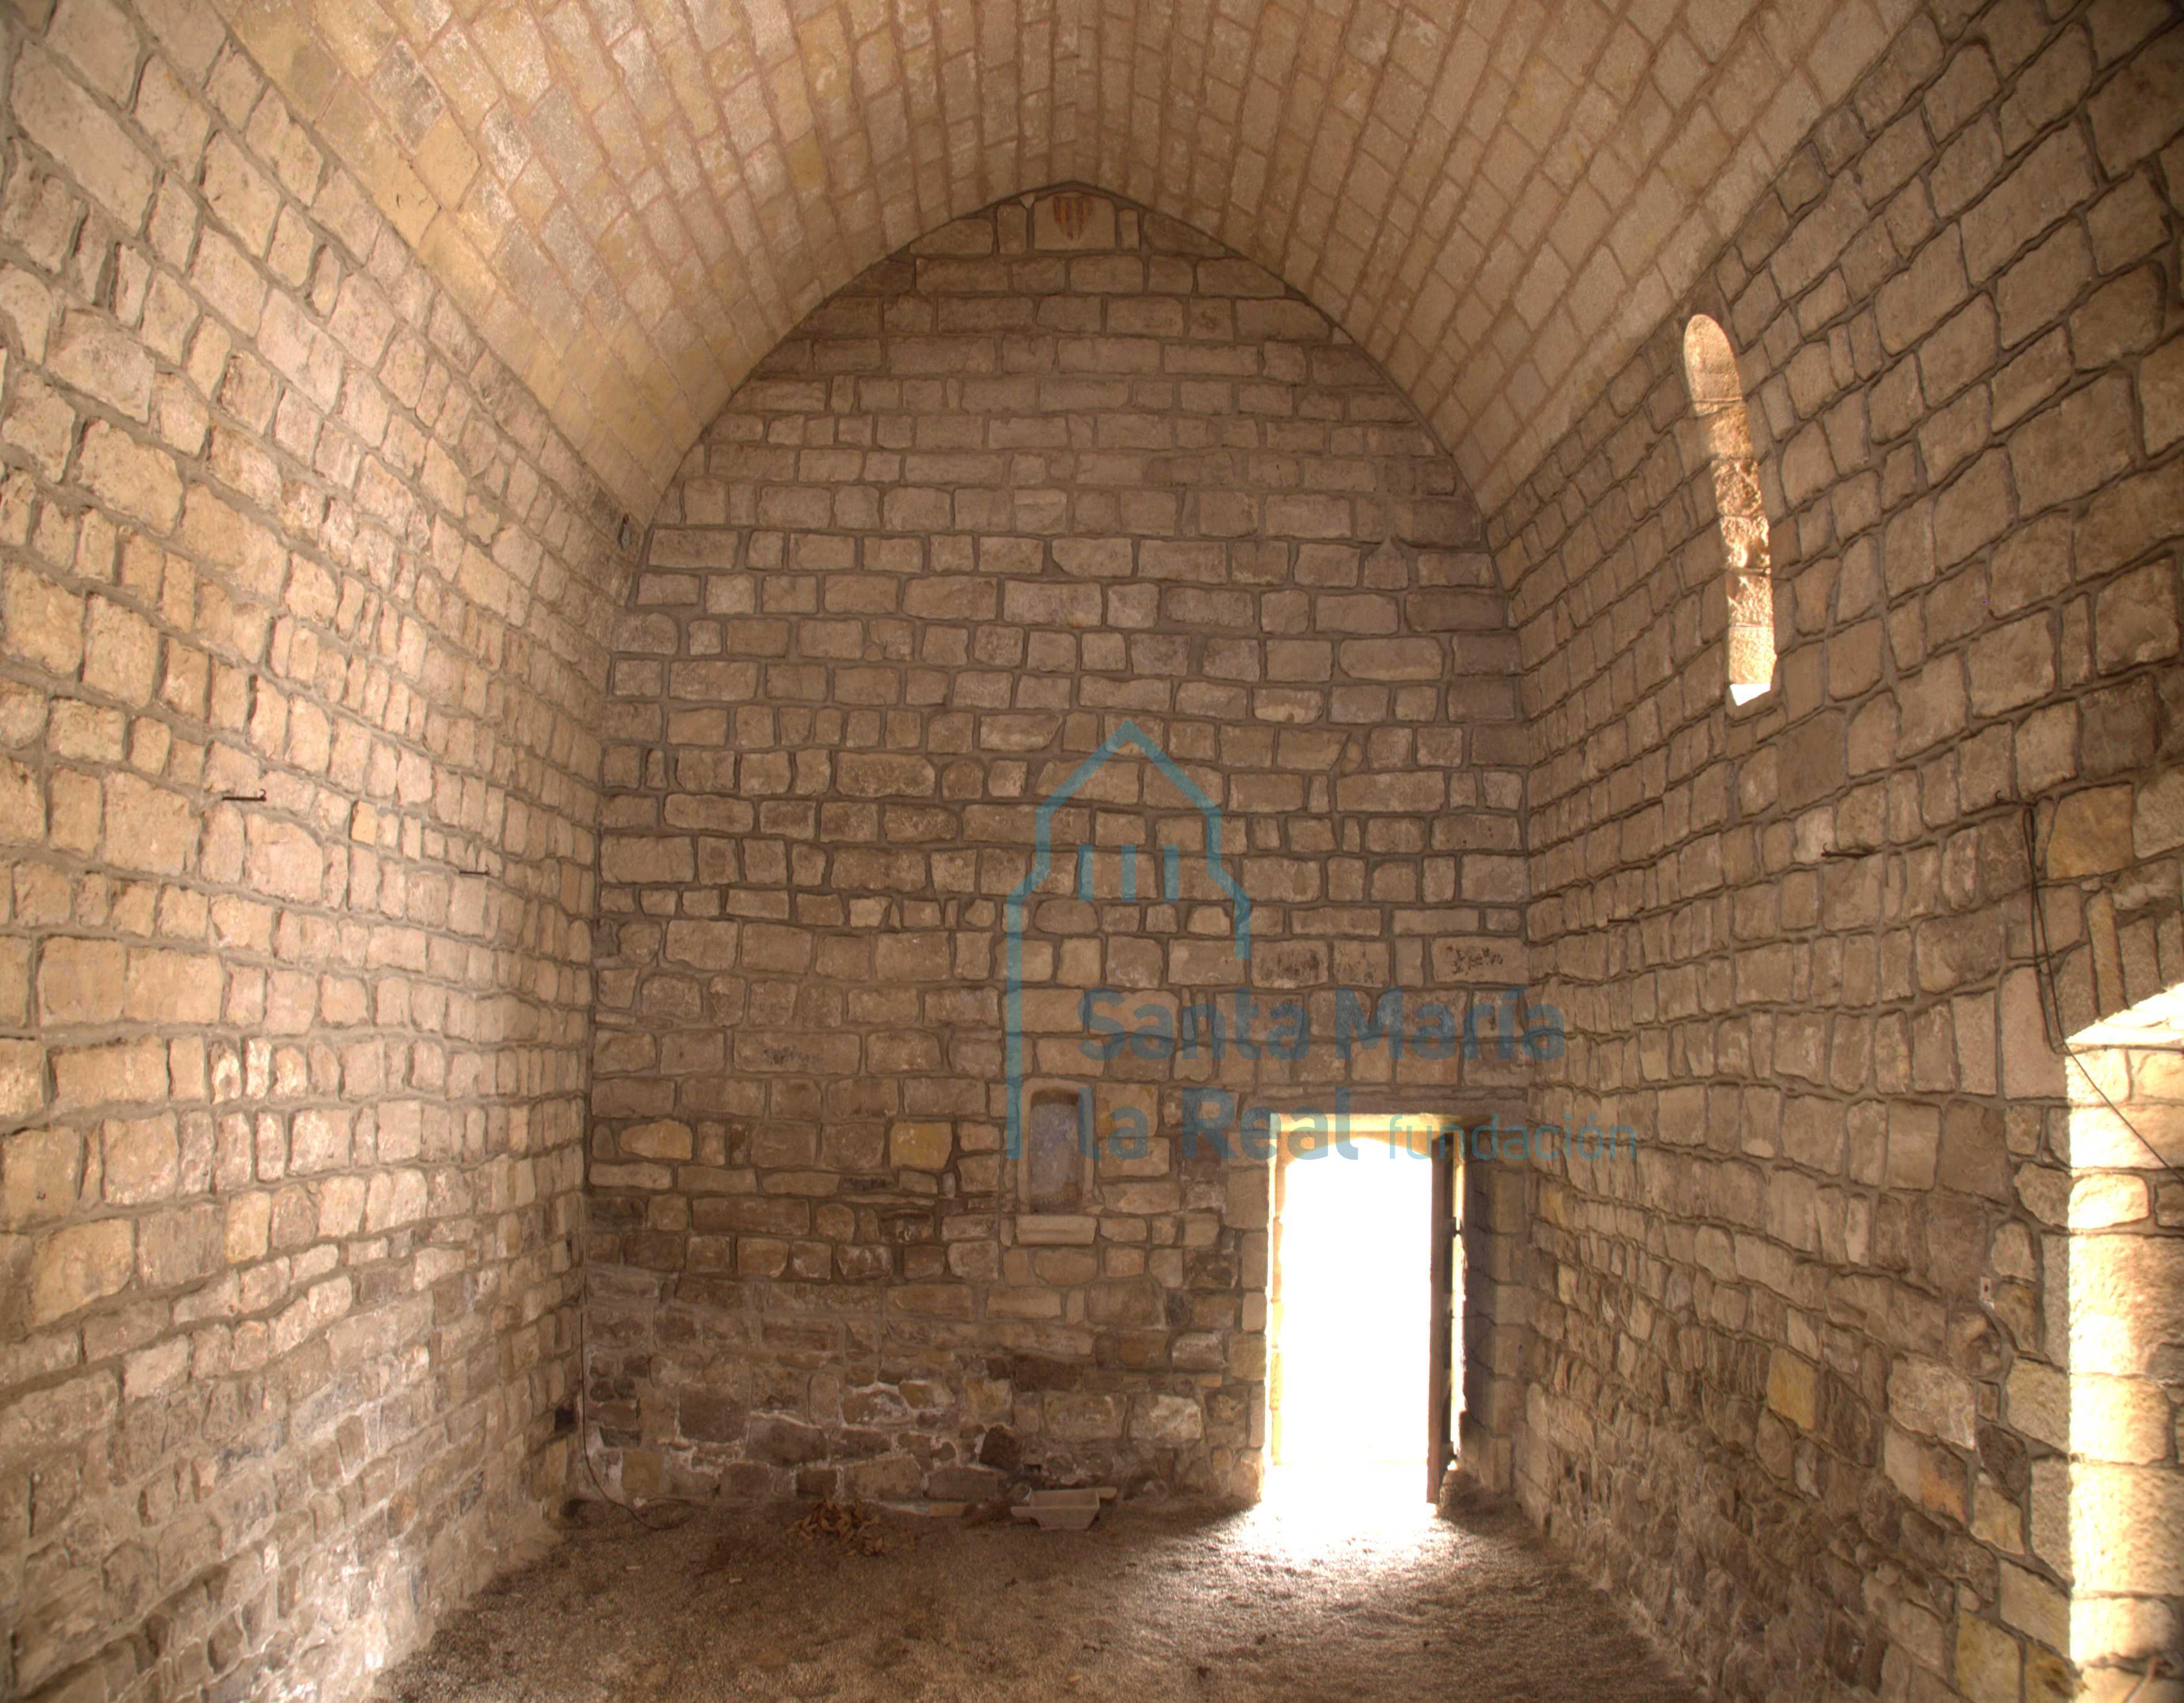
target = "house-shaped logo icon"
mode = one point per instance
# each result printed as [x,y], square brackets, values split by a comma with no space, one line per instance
[1129,734]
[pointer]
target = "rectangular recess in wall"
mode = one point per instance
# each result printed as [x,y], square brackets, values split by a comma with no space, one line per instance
[1057,1135]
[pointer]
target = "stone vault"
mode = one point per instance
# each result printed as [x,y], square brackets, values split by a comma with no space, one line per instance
[544,549]
[635,203]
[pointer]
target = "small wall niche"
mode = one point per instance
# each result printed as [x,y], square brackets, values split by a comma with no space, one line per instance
[1057,1128]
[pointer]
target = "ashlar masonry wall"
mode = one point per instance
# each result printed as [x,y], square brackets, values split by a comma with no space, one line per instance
[301,611]
[1057,467]
[1796,1385]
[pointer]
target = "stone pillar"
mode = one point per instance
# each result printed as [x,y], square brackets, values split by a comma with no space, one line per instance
[1496,1318]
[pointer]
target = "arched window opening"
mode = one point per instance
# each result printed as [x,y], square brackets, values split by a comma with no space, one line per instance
[1718,400]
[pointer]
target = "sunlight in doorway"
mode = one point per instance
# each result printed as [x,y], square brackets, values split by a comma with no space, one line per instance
[1352,1297]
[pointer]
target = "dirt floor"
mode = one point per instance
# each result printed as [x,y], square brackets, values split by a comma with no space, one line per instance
[1308,1600]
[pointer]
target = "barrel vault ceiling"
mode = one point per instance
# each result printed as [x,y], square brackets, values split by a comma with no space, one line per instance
[635,199]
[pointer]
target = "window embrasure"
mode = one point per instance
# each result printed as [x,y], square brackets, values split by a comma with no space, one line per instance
[1747,575]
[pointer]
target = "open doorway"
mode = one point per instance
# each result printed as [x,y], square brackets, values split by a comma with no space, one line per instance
[1364,1310]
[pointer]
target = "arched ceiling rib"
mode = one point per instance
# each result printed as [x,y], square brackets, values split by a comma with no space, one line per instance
[635,199]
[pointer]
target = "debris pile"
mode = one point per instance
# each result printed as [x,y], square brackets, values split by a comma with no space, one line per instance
[849,1522]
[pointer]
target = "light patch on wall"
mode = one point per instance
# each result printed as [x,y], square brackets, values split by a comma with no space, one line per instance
[2109,1515]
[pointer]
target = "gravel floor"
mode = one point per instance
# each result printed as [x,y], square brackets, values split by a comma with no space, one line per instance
[1304,1599]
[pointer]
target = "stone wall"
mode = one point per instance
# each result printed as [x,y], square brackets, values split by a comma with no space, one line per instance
[1789,1368]
[1057,468]
[300,673]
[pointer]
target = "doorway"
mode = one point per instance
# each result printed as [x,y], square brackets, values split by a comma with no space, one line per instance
[1364,1308]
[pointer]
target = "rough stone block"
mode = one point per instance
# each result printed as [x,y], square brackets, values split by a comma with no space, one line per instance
[76,1266]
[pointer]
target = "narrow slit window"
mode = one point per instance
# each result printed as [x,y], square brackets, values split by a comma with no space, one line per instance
[1747,574]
